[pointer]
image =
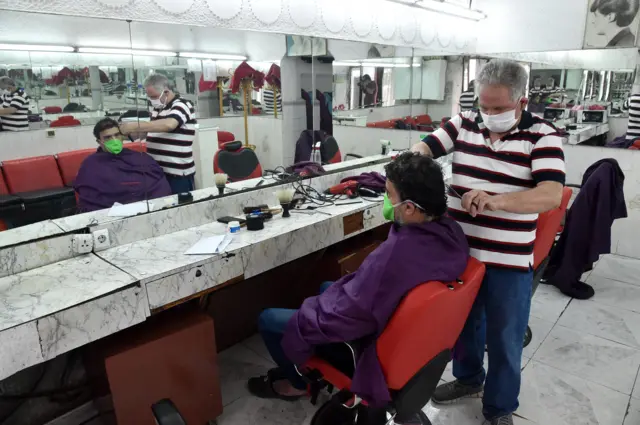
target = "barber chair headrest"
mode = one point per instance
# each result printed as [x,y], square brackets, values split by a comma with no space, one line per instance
[232,146]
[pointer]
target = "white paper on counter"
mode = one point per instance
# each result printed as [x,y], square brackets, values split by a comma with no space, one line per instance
[128,210]
[211,245]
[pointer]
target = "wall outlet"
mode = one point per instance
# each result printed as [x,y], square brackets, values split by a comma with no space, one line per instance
[51,133]
[82,244]
[101,240]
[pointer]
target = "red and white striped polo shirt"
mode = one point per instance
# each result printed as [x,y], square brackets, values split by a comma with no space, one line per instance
[530,154]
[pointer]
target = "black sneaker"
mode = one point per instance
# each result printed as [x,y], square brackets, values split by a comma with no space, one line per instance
[453,391]
[502,420]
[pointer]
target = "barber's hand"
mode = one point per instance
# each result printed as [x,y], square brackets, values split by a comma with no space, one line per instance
[128,127]
[421,148]
[477,201]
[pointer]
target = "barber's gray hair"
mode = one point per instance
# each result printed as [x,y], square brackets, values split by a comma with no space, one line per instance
[159,82]
[6,82]
[504,72]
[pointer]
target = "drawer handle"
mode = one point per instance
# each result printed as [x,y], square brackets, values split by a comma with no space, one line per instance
[198,273]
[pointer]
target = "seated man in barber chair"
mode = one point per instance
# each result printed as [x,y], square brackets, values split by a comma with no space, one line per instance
[423,245]
[116,174]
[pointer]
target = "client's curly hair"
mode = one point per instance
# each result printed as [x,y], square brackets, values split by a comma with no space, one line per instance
[420,179]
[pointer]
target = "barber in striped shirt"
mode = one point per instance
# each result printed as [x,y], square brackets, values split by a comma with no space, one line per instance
[171,133]
[14,106]
[508,166]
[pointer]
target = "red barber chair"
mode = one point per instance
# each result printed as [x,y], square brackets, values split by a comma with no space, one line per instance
[413,350]
[65,121]
[69,164]
[549,224]
[237,162]
[225,137]
[329,151]
[52,109]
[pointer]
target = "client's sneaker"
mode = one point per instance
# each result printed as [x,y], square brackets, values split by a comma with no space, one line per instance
[502,420]
[453,391]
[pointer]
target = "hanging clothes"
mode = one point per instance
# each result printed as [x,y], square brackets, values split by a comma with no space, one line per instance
[587,230]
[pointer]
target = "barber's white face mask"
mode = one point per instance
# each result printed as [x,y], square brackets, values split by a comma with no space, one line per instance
[157,103]
[500,123]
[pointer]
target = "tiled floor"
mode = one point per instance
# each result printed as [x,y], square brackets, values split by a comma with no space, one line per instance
[580,369]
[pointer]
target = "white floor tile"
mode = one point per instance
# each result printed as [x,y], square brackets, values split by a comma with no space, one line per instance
[616,324]
[467,412]
[615,267]
[255,411]
[615,293]
[540,328]
[256,344]
[590,357]
[447,376]
[548,303]
[636,389]
[552,397]
[633,414]
[237,365]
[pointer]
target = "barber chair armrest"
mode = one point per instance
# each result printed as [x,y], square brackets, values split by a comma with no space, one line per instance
[46,194]
[9,201]
[10,207]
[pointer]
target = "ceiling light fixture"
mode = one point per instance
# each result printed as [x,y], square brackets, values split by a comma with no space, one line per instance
[135,52]
[36,48]
[447,8]
[213,56]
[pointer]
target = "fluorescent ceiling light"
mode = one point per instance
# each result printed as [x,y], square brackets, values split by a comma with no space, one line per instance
[36,48]
[448,8]
[135,52]
[214,56]
[338,63]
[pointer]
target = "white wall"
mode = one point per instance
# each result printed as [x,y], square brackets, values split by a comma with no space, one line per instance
[626,232]
[365,141]
[453,88]
[530,26]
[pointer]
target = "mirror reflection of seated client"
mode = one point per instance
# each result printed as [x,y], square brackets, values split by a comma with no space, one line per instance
[423,245]
[14,106]
[116,174]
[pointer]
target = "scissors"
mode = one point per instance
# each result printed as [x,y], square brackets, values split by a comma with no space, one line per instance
[456,194]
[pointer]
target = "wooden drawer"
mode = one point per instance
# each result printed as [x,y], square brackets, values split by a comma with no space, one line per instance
[353,223]
[192,283]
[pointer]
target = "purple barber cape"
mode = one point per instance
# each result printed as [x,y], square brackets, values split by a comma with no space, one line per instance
[128,177]
[361,303]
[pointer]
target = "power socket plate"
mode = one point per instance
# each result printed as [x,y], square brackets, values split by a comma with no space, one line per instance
[82,244]
[101,240]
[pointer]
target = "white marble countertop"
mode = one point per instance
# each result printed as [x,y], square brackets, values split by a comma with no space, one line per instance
[154,258]
[30,232]
[36,293]
[55,308]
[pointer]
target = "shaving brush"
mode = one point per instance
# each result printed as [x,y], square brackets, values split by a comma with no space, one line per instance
[221,181]
[285,196]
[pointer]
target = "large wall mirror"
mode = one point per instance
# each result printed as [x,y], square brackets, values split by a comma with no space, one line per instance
[584,93]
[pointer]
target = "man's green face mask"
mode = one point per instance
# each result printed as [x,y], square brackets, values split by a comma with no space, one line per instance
[113,146]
